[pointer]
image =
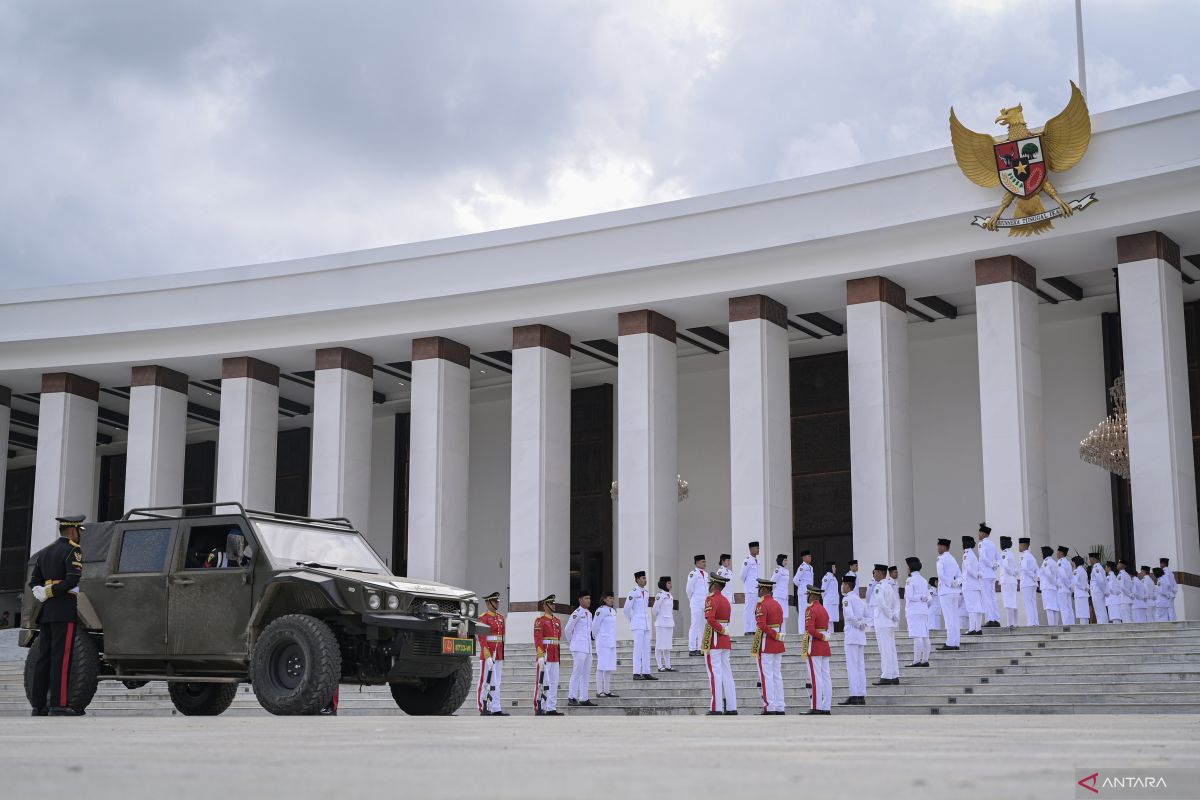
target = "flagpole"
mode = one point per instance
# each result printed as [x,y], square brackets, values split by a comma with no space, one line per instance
[1079,47]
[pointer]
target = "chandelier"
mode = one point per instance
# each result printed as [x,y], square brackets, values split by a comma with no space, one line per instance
[1107,445]
[681,489]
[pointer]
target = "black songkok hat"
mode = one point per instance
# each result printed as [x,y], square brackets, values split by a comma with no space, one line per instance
[1158,572]
[893,568]
[881,568]
[849,580]
[944,542]
[1166,562]
[851,563]
[1023,540]
[1143,568]
[583,593]
[829,564]
[968,542]
[752,544]
[1094,555]
[1063,550]
[641,573]
[1046,551]
[804,553]
[983,528]
[1005,542]
[698,557]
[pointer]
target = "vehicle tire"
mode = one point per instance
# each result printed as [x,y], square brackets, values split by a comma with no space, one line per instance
[435,696]
[134,685]
[296,666]
[201,699]
[85,669]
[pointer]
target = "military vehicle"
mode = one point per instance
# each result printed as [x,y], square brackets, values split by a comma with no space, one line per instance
[206,597]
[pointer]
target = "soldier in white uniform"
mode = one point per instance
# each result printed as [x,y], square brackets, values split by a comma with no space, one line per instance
[604,631]
[1172,586]
[697,590]
[804,576]
[780,578]
[664,624]
[885,612]
[751,570]
[949,594]
[1079,586]
[829,593]
[852,572]
[973,583]
[725,570]
[935,606]
[854,613]
[1125,581]
[1164,599]
[1112,593]
[1028,586]
[1048,579]
[916,611]
[1096,578]
[1010,567]
[579,636]
[989,559]
[637,611]
[1066,604]
[1143,595]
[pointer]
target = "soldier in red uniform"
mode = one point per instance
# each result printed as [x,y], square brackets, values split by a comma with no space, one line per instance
[768,647]
[547,631]
[491,654]
[715,645]
[816,647]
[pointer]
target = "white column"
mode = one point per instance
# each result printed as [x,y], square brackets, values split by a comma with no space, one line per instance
[880,440]
[1162,472]
[249,433]
[438,467]
[157,437]
[760,438]
[1010,398]
[647,451]
[540,503]
[340,485]
[65,478]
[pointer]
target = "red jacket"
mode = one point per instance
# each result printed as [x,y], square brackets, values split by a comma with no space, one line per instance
[547,633]
[816,623]
[716,613]
[493,642]
[768,615]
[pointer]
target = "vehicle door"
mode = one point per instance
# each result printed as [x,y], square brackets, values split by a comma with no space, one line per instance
[211,588]
[133,598]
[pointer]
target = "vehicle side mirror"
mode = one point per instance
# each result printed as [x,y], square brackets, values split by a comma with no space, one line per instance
[248,553]
[235,549]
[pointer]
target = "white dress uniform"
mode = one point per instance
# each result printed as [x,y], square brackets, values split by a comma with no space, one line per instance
[780,590]
[1172,590]
[1048,577]
[1126,583]
[1010,568]
[854,612]
[727,590]
[1066,578]
[1099,584]
[1164,599]
[604,631]
[697,590]
[885,608]
[949,596]
[1140,597]
[1148,582]
[578,633]
[1112,598]
[974,579]
[1028,587]
[802,580]
[916,615]
[637,611]
[935,609]
[664,628]
[1080,586]
[989,559]
[829,597]
[751,569]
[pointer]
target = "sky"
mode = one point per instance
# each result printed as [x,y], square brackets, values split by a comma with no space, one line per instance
[141,137]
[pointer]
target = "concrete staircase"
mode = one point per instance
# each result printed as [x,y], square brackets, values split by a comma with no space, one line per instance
[1143,668]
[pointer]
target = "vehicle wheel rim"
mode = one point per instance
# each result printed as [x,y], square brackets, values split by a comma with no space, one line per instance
[288,665]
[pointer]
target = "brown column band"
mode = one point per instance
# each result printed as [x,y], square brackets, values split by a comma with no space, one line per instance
[70,383]
[247,367]
[1188,579]
[1004,269]
[1143,246]
[621,603]
[443,348]
[646,321]
[525,336]
[757,306]
[154,375]
[347,359]
[875,289]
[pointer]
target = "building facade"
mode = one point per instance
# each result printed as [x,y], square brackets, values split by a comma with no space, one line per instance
[839,363]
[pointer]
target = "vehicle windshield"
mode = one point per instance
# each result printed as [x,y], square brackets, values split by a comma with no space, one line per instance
[289,545]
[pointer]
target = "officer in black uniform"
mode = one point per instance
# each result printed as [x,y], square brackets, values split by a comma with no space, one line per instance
[55,581]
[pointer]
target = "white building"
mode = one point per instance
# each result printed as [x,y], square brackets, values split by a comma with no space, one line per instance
[838,362]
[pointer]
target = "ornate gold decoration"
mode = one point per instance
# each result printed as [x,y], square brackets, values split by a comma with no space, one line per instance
[1107,446]
[1021,163]
[682,492]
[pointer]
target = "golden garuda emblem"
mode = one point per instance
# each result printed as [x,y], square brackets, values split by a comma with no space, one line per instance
[1022,161]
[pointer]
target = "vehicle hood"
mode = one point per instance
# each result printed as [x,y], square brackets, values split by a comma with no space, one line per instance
[395,583]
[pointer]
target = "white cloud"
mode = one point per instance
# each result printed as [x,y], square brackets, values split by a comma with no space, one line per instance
[827,147]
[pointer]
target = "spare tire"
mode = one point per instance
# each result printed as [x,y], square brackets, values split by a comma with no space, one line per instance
[85,670]
[201,699]
[435,696]
[296,666]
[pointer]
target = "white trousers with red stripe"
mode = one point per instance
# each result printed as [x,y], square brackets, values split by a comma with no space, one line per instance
[720,681]
[488,693]
[822,686]
[770,675]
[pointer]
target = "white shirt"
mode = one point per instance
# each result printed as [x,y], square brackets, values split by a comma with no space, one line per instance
[1081,582]
[949,575]
[1049,581]
[916,595]
[803,579]
[1029,570]
[579,630]
[829,593]
[1126,583]
[604,627]
[697,588]
[973,574]
[885,605]
[989,557]
[1065,575]
[854,611]
[637,609]
[727,590]
[749,576]
[780,590]
[664,610]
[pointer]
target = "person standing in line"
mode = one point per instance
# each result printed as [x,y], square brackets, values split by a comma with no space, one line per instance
[1098,583]
[716,645]
[547,638]
[637,611]
[697,590]
[768,647]
[974,579]
[1066,573]
[815,646]
[885,609]
[54,582]
[725,570]
[1125,581]
[916,611]
[949,594]
[1172,586]
[1079,586]
[1164,601]
[664,624]
[989,560]
[1148,585]
[804,577]
[491,655]
[1029,574]
[1048,580]
[935,606]
[854,615]
[1112,593]
[780,578]
[604,631]
[751,572]
[579,638]
[894,577]
[1142,595]
[851,570]
[829,593]
[1010,567]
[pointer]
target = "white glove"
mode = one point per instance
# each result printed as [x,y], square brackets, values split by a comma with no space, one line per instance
[39,592]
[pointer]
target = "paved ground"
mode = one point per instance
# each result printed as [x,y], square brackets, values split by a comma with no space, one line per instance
[292,758]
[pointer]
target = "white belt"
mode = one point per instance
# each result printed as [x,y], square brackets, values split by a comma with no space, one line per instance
[494,639]
[549,641]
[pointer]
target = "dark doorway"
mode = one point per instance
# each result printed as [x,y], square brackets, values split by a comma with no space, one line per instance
[591,482]
[18,528]
[400,498]
[111,502]
[292,471]
[199,475]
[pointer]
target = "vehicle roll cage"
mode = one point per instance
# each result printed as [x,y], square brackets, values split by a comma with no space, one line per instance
[156,512]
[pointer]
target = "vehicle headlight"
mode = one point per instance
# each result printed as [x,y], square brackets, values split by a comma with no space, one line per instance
[393,602]
[471,609]
[374,602]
